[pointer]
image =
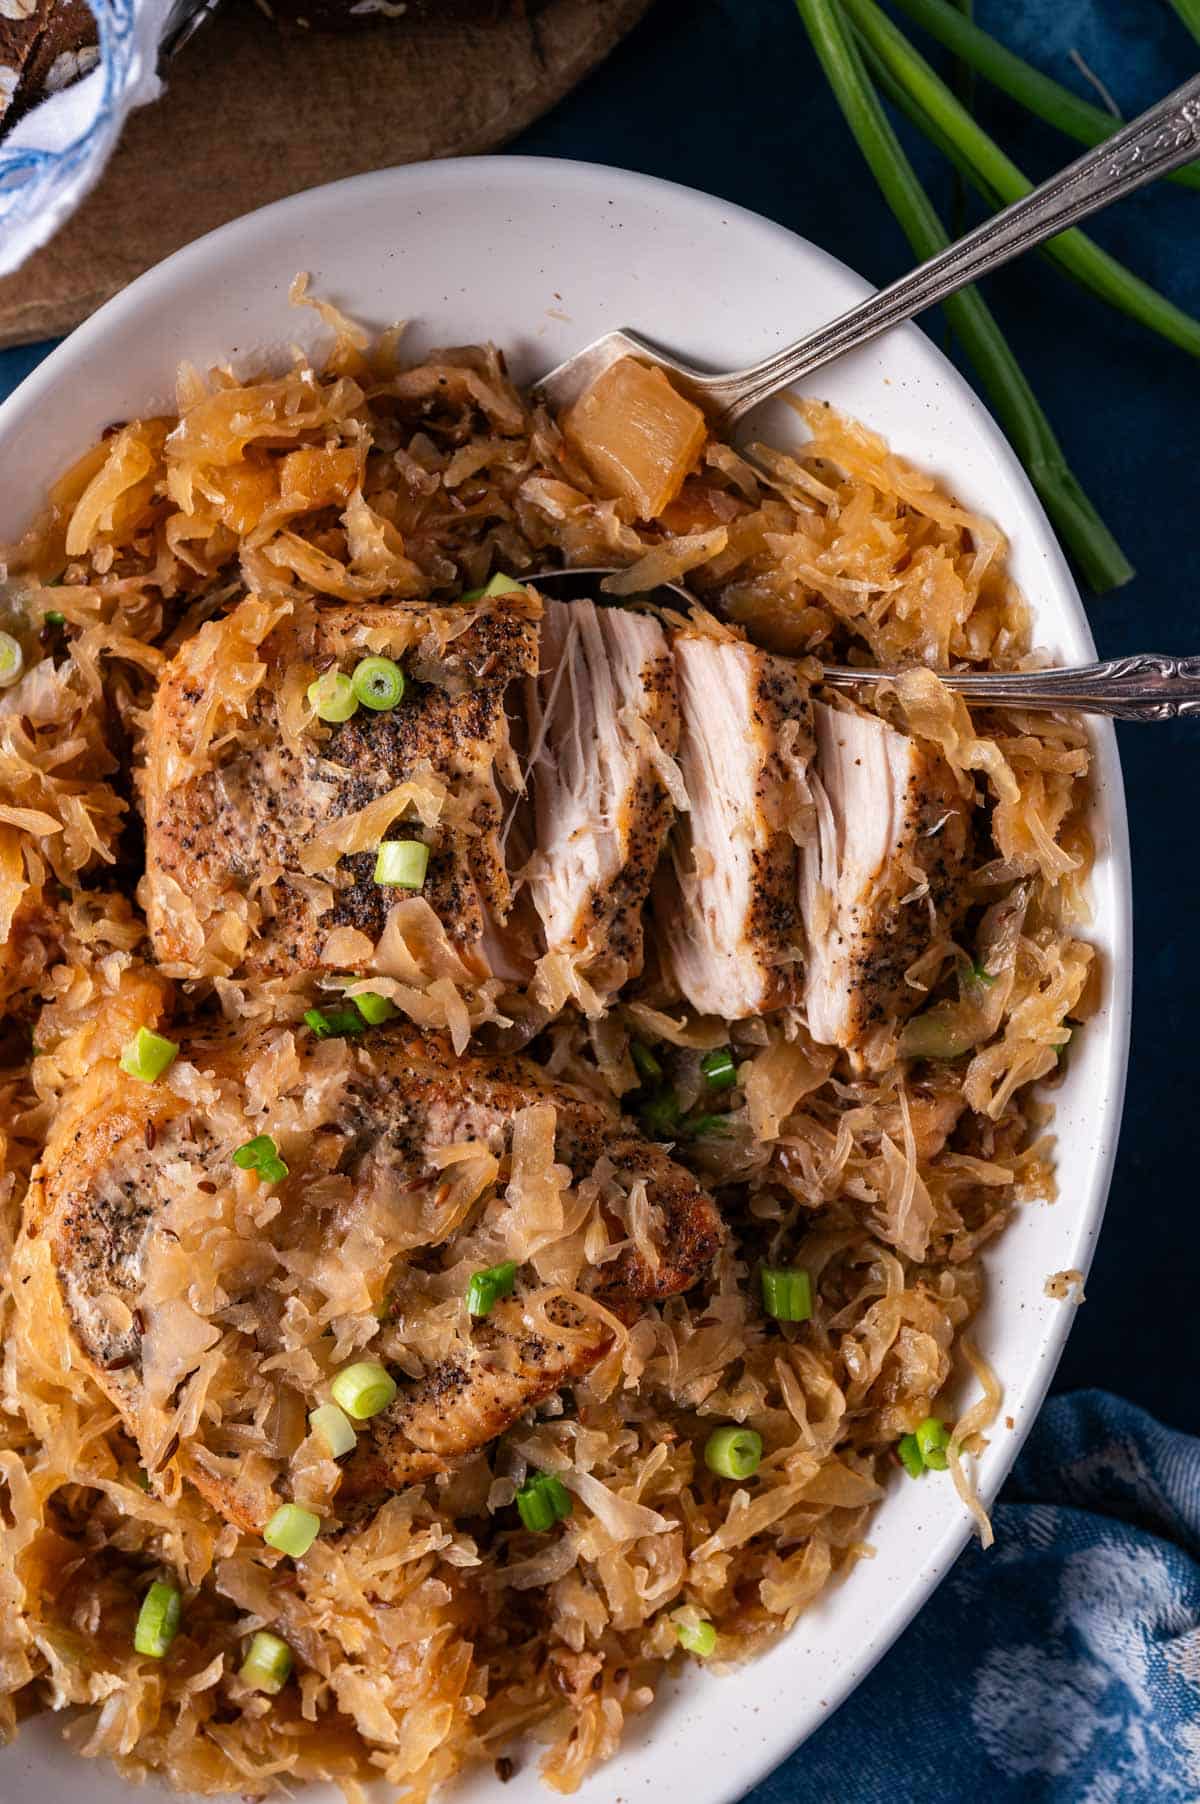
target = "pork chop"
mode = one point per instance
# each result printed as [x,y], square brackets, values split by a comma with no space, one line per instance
[185,1280]
[604,723]
[883,878]
[726,908]
[232,880]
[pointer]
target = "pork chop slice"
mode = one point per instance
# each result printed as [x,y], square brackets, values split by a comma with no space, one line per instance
[726,910]
[603,723]
[207,1304]
[883,878]
[241,874]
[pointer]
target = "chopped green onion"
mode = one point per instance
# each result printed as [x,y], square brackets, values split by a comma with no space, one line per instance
[148,1055]
[697,1126]
[542,1501]
[910,1456]
[292,1529]
[12,660]
[787,1293]
[378,683]
[141,1478]
[402,863]
[332,696]
[733,1452]
[335,1428]
[328,1023]
[1100,558]
[719,1069]
[498,585]
[699,1638]
[486,1288]
[54,617]
[933,1438]
[158,1620]
[374,1009]
[660,1116]
[267,1664]
[645,1063]
[363,1389]
[261,1155]
[981,974]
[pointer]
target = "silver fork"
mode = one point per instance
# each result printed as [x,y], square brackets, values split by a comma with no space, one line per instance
[1150,686]
[1160,140]
[1147,686]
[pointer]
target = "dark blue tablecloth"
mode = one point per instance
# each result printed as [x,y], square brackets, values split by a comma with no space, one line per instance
[725,95]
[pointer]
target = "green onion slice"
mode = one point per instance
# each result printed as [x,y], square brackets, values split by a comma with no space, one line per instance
[363,1389]
[158,1620]
[660,1116]
[54,617]
[335,1428]
[12,660]
[787,1293]
[378,683]
[696,1127]
[328,1023]
[645,1063]
[292,1529]
[267,1664]
[933,1438]
[332,696]
[261,1155]
[402,863]
[698,1638]
[733,1452]
[148,1055]
[910,1456]
[374,1008]
[719,1069]
[486,1288]
[498,585]
[542,1501]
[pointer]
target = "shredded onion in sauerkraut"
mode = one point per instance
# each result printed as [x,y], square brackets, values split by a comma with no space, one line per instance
[437,1631]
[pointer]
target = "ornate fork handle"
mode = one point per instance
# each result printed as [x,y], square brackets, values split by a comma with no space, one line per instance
[1150,686]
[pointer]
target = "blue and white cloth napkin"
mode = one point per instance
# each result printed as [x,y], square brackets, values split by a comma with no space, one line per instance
[1060,1667]
[56,153]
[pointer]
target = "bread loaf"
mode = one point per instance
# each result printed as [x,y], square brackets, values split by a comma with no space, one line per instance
[45,45]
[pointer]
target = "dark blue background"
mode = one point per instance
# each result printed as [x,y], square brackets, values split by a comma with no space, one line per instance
[726,95]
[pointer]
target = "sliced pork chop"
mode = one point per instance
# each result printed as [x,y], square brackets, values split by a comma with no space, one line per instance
[183,1278]
[726,909]
[884,877]
[603,722]
[232,879]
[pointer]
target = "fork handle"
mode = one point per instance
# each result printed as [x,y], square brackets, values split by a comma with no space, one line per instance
[1149,686]
[1161,139]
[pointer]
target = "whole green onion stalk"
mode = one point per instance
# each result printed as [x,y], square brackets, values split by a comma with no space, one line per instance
[984,164]
[1101,560]
[1189,12]
[1039,94]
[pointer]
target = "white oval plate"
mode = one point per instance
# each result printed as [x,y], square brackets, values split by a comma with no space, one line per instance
[542,256]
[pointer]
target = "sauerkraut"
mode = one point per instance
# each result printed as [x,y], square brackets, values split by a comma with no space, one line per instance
[436,1632]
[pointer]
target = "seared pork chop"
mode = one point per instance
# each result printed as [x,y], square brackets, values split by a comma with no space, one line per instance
[603,720]
[185,1279]
[726,907]
[232,881]
[883,878]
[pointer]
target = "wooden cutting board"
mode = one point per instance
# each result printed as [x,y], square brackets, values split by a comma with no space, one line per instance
[251,115]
